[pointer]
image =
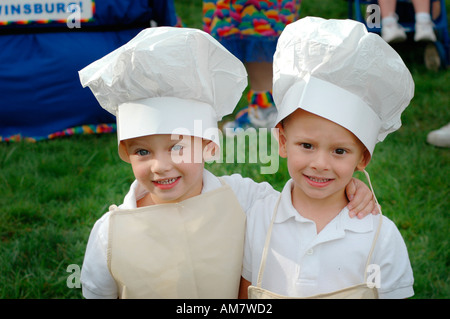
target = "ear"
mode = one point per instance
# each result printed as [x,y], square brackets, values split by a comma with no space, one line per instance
[123,152]
[281,138]
[365,159]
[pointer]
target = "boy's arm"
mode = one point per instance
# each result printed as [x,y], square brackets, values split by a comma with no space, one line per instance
[248,191]
[361,201]
[395,277]
[96,279]
[243,288]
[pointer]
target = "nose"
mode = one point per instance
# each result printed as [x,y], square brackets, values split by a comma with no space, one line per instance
[320,161]
[161,163]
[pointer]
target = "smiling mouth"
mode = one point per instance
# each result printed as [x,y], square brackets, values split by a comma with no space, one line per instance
[166,181]
[317,179]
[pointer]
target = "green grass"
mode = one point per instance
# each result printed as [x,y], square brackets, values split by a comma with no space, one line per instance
[52,192]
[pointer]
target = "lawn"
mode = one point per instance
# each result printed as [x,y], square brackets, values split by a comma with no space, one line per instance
[52,192]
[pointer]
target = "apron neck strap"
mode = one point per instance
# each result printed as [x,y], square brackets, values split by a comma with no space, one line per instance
[262,265]
[375,237]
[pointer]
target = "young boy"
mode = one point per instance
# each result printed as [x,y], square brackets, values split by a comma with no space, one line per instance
[180,230]
[338,90]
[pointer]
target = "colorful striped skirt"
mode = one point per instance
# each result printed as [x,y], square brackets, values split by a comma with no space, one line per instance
[248,28]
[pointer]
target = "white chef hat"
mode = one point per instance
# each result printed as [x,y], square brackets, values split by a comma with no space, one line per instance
[339,71]
[167,80]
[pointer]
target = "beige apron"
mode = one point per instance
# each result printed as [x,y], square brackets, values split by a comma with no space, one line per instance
[190,249]
[360,291]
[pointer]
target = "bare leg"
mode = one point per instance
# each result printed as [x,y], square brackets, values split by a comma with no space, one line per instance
[260,75]
[261,111]
[436,10]
[421,5]
[387,7]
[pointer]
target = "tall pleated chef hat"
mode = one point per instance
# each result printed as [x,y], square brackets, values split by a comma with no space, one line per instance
[167,80]
[339,71]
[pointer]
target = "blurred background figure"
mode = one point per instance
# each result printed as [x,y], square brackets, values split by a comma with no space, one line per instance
[440,137]
[250,29]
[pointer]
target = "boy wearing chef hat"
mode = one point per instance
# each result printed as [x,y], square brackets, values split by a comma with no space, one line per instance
[339,90]
[180,231]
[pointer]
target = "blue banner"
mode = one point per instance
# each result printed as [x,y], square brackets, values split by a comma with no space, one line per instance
[40,91]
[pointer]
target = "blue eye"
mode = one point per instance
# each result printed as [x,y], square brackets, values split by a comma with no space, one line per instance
[142,152]
[177,148]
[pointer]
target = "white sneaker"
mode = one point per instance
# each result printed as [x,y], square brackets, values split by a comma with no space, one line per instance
[393,33]
[440,137]
[424,32]
[251,118]
[263,117]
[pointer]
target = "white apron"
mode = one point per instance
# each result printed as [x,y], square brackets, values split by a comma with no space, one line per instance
[360,291]
[190,249]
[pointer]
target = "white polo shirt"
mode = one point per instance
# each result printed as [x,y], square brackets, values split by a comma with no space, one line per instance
[302,263]
[97,281]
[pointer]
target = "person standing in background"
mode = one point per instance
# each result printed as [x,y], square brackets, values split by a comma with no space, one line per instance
[250,30]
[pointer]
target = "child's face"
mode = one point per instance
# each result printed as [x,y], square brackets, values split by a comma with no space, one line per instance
[169,167]
[321,156]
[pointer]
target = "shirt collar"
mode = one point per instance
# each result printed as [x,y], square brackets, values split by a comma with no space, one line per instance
[137,191]
[343,221]
[210,181]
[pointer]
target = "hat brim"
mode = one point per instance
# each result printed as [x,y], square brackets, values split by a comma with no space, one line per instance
[335,104]
[165,115]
